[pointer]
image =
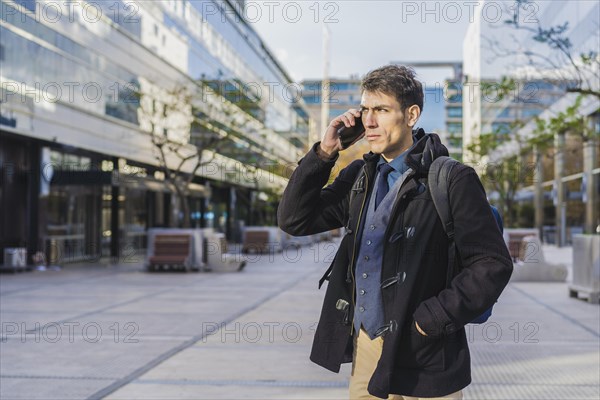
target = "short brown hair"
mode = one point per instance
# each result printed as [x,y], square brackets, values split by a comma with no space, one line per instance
[398,81]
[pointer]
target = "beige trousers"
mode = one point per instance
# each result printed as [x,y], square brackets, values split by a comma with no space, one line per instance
[366,355]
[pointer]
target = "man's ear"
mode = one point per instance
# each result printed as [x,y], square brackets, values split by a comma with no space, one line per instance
[412,115]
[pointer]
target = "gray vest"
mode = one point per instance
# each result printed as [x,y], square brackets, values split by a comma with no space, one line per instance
[369,302]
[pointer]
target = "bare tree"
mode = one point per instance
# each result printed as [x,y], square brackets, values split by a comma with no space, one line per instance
[511,173]
[581,71]
[508,175]
[184,141]
[553,58]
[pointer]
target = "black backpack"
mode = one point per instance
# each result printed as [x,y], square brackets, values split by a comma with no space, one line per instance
[440,172]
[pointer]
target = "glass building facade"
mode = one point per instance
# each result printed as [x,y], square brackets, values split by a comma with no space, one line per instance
[538,79]
[541,74]
[85,86]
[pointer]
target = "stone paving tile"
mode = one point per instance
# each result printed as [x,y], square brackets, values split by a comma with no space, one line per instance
[533,392]
[159,323]
[50,304]
[169,311]
[244,363]
[527,350]
[80,359]
[535,364]
[228,390]
[539,344]
[13,323]
[48,388]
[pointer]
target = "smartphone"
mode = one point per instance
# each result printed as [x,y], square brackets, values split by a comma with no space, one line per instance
[349,135]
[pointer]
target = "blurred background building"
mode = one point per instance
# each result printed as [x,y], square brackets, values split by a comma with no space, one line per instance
[531,112]
[343,94]
[107,108]
[442,112]
[93,92]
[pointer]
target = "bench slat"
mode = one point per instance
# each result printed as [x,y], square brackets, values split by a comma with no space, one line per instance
[171,249]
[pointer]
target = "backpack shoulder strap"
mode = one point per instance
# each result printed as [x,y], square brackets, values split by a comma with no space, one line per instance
[438,180]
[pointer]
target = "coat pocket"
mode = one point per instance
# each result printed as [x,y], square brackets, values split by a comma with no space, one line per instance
[417,351]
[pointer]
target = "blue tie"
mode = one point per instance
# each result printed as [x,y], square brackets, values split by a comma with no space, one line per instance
[382,185]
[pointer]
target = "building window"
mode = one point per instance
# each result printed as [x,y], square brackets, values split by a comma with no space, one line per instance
[454,127]
[345,86]
[506,113]
[455,112]
[500,128]
[314,99]
[455,98]
[28,4]
[530,112]
[595,122]
[455,141]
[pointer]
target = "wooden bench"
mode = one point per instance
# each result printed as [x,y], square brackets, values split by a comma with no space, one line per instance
[515,241]
[171,251]
[256,242]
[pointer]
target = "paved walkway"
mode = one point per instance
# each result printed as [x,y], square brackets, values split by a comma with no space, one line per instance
[247,335]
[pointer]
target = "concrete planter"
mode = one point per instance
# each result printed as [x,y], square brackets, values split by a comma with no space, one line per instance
[531,265]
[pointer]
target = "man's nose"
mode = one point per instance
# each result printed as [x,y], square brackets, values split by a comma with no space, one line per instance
[370,121]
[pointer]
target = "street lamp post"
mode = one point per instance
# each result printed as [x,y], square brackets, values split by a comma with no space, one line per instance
[325,81]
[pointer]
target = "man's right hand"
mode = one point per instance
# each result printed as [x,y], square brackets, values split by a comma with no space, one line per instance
[331,143]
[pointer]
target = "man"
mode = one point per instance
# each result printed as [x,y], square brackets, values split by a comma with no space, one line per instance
[390,307]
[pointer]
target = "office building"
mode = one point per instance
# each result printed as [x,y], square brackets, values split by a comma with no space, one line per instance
[85,89]
[345,94]
[563,184]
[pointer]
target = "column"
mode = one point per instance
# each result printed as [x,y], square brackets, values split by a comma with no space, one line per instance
[589,161]
[538,195]
[34,229]
[560,195]
[114,217]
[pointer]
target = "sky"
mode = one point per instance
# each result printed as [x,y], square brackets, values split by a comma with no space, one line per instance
[363,34]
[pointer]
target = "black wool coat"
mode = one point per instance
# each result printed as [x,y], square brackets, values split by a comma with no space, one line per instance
[415,261]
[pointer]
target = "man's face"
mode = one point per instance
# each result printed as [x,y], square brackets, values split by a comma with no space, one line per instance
[388,129]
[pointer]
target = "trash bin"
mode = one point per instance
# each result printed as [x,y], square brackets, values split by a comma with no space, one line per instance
[586,268]
[15,257]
